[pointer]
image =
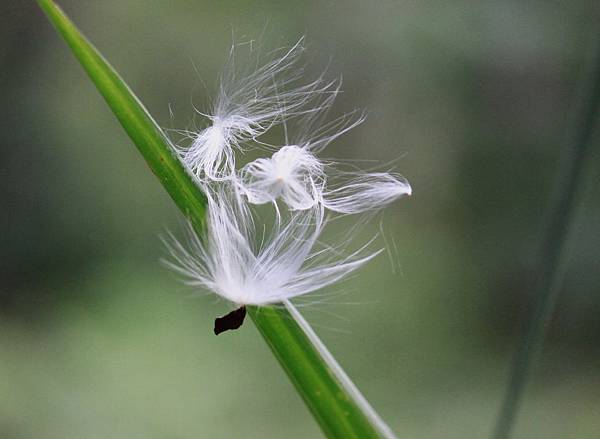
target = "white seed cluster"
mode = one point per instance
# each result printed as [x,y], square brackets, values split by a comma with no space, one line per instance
[237,259]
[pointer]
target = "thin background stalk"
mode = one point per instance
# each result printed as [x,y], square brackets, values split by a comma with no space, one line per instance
[553,260]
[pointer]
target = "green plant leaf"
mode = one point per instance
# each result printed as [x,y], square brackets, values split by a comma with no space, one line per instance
[336,404]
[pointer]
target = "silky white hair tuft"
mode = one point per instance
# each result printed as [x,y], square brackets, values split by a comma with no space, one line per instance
[366,193]
[238,259]
[247,104]
[292,174]
[287,264]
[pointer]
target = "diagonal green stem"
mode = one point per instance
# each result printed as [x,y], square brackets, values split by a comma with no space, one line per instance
[554,257]
[338,407]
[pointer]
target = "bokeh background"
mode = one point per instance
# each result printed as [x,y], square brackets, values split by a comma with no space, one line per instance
[97,340]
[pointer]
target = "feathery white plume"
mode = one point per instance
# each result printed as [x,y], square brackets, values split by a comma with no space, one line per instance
[299,179]
[296,176]
[229,263]
[247,105]
[366,192]
[292,174]
[233,259]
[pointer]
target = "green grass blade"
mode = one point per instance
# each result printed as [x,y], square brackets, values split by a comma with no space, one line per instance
[554,257]
[338,407]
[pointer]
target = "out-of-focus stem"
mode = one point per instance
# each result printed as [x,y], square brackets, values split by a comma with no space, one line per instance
[554,256]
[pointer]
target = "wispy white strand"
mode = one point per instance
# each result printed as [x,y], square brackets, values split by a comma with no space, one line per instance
[366,192]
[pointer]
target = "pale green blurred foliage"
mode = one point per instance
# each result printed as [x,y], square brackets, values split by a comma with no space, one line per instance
[97,340]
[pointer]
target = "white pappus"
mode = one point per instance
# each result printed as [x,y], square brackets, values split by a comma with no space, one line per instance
[284,264]
[236,258]
[247,104]
[295,175]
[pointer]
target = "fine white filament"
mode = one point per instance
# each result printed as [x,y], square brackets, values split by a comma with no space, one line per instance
[366,192]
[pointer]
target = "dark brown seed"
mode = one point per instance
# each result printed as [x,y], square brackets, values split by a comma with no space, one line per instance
[233,320]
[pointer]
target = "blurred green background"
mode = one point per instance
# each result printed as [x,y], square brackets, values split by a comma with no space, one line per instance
[97,340]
